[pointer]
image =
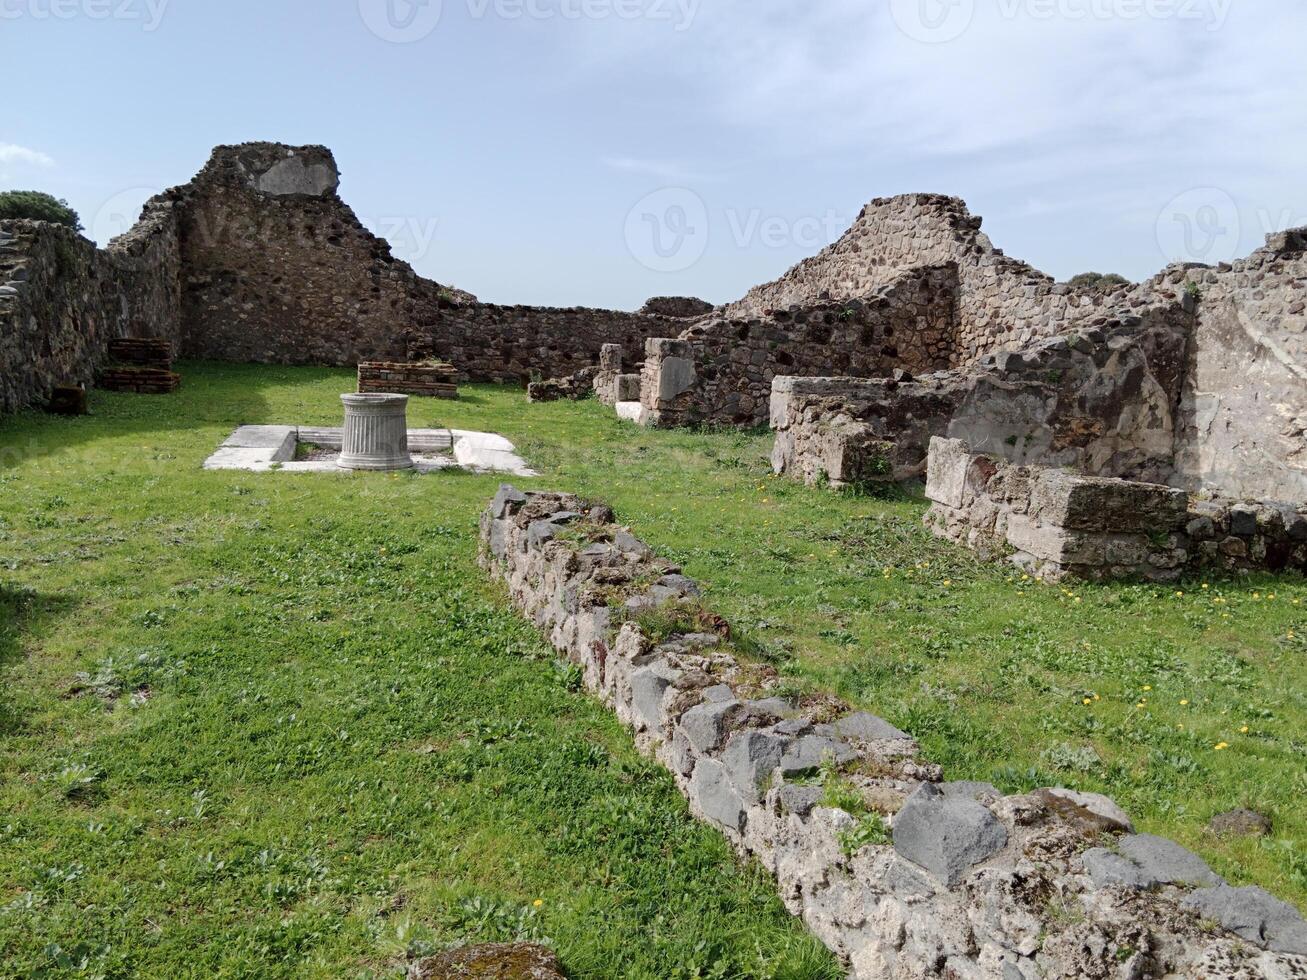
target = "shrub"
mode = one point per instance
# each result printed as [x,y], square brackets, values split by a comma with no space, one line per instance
[38,206]
[1097,282]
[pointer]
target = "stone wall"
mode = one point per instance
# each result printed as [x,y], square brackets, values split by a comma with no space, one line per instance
[62,300]
[926,878]
[1057,525]
[1102,399]
[1001,302]
[278,269]
[906,325]
[1244,412]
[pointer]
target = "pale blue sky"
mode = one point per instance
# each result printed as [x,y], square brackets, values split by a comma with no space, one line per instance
[503,144]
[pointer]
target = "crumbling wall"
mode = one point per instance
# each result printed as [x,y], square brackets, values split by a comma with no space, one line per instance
[922,879]
[62,300]
[1102,400]
[1058,525]
[907,325]
[1244,413]
[278,269]
[1001,302]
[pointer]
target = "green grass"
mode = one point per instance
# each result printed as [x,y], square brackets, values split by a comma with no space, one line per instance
[312,738]
[273,725]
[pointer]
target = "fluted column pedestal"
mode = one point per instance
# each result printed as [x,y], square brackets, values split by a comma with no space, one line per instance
[376,433]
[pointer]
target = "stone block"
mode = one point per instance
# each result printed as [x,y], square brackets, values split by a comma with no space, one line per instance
[750,759]
[946,835]
[1100,505]
[713,795]
[1107,869]
[1166,861]
[946,472]
[704,725]
[1254,915]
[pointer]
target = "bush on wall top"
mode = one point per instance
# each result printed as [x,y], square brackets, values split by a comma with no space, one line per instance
[38,206]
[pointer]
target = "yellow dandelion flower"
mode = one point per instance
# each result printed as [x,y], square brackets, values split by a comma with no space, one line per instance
[1148,687]
[1184,703]
[539,902]
[1222,746]
[1243,730]
[1097,698]
[1179,595]
[948,582]
[1206,586]
[1089,700]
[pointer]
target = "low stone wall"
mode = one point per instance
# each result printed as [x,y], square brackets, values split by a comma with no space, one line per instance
[848,431]
[1056,525]
[1102,399]
[926,878]
[62,300]
[906,325]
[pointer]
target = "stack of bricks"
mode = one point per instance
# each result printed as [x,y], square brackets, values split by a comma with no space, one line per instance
[427,379]
[141,365]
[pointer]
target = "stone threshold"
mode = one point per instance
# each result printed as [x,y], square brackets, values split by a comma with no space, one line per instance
[928,878]
[272,448]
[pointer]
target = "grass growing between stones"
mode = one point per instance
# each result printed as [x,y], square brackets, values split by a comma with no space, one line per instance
[310,738]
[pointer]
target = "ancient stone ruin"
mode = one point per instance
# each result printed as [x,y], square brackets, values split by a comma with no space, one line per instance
[1095,431]
[928,878]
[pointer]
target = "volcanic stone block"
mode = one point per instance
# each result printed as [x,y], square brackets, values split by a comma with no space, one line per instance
[1101,505]
[946,472]
[711,791]
[1166,861]
[1253,914]
[946,835]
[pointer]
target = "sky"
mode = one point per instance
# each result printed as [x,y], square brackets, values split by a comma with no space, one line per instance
[598,152]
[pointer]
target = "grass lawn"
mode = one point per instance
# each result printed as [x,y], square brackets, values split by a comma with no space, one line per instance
[310,738]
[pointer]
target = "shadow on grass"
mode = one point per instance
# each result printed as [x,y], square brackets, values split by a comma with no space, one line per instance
[22,610]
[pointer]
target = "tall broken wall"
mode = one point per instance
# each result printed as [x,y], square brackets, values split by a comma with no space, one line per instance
[277,268]
[1001,302]
[1244,411]
[62,300]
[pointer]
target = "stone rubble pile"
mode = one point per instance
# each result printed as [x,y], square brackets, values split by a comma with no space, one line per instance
[926,878]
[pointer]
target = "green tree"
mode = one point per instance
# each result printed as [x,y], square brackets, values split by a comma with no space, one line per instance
[38,206]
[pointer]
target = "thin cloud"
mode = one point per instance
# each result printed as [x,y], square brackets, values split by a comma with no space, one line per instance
[11,153]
